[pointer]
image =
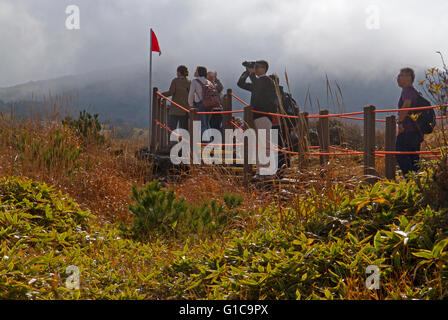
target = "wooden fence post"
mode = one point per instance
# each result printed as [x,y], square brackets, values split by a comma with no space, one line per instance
[193,117]
[324,136]
[369,141]
[302,138]
[390,164]
[227,106]
[155,116]
[249,124]
[164,120]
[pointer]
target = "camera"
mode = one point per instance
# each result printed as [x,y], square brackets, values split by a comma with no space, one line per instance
[249,64]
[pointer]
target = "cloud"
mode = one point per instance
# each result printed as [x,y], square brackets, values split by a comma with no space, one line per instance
[308,37]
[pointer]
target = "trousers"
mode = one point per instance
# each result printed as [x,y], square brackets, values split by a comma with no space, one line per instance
[174,119]
[408,142]
[264,123]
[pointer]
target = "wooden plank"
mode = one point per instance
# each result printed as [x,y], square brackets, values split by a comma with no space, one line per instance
[369,141]
[227,106]
[390,162]
[324,137]
[164,120]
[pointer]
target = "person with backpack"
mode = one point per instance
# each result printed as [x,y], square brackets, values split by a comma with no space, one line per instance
[204,96]
[216,119]
[179,89]
[263,99]
[412,125]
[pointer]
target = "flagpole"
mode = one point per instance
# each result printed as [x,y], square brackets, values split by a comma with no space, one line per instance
[150,90]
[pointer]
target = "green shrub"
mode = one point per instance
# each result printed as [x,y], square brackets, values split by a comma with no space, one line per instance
[87,126]
[318,249]
[432,181]
[36,224]
[157,210]
[42,232]
[41,203]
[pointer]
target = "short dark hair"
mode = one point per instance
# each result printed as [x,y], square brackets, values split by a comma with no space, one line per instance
[183,70]
[264,63]
[409,72]
[202,71]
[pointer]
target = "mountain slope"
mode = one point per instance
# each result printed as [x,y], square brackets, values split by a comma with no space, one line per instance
[121,94]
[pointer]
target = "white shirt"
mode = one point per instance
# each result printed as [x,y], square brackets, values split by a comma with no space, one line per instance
[195,93]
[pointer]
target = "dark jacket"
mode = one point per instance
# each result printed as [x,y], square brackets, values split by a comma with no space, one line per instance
[179,89]
[263,93]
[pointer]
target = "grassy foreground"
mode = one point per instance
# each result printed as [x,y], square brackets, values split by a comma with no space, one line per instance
[202,239]
[319,250]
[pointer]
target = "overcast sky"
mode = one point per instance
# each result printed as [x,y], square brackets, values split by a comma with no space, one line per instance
[307,37]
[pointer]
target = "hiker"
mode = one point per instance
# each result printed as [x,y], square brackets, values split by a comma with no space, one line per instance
[179,88]
[216,119]
[409,138]
[212,76]
[263,99]
[204,96]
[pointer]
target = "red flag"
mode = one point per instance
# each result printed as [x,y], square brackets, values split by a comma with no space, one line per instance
[155,43]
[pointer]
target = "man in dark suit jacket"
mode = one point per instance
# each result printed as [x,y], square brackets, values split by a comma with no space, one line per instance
[263,99]
[262,87]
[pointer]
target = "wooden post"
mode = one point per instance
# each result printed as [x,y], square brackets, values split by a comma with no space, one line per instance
[155,126]
[369,141]
[193,117]
[324,136]
[249,124]
[164,120]
[390,165]
[227,106]
[302,138]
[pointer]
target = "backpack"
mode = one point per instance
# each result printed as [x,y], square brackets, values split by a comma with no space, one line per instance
[289,104]
[290,107]
[424,119]
[210,96]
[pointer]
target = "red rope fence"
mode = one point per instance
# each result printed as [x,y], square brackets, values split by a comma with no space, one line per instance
[172,102]
[220,112]
[346,152]
[243,102]
[235,125]
[313,116]
[321,151]
[345,115]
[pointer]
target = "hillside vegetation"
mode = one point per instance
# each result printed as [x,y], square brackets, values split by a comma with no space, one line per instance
[71,196]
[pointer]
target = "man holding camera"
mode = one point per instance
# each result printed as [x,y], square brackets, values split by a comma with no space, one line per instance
[263,99]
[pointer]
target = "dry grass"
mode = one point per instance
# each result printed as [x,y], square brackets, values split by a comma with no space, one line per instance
[100,176]
[97,176]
